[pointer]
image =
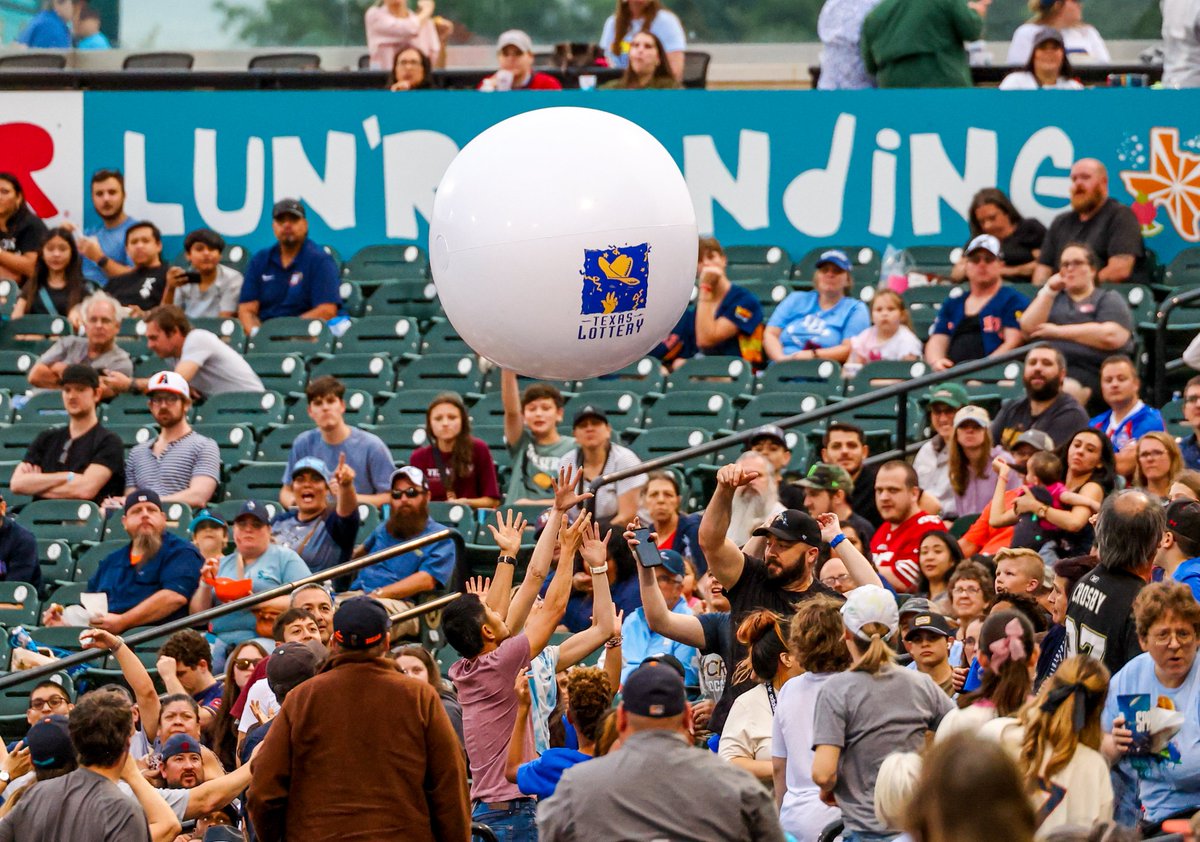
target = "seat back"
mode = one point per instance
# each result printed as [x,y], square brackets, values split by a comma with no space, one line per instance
[158,61]
[286,61]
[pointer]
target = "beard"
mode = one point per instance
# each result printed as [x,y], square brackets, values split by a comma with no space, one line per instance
[1047,391]
[1087,201]
[787,575]
[405,523]
[749,511]
[146,545]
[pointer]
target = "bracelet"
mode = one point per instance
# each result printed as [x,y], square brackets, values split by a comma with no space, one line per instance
[837,539]
[613,643]
[1041,513]
[506,559]
[70,476]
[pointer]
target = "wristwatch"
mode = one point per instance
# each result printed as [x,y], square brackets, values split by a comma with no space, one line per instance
[5,777]
[507,559]
[102,262]
[596,571]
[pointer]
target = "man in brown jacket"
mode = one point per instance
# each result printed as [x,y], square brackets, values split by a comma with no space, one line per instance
[359,751]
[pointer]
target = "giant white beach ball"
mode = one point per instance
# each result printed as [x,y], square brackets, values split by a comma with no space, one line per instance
[563,243]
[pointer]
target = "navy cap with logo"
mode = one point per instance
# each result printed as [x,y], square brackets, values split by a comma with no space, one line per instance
[288,207]
[589,411]
[929,621]
[672,562]
[667,659]
[180,744]
[49,742]
[142,495]
[1183,518]
[360,623]
[254,509]
[792,525]
[655,691]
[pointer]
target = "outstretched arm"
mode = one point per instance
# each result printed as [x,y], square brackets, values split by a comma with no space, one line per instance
[507,534]
[860,570]
[578,646]
[134,672]
[685,629]
[725,558]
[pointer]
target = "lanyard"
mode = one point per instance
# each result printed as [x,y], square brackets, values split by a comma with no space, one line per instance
[771,697]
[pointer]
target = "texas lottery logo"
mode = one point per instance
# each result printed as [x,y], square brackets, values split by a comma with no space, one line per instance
[615,284]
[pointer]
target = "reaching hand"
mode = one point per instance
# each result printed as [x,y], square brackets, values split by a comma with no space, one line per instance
[100,639]
[210,568]
[521,688]
[479,586]
[166,666]
[565,497]
[572,536]
[734,476]
[595,548]
[343,474]
[831,527]
[18,762]
[507,532]
[1001,468]
[259,713]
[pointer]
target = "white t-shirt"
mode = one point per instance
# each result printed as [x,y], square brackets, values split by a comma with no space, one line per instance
[747,731]
[965,719]
[1023,80]
[267,703]
[803,814]
[619,458]
[1083,42]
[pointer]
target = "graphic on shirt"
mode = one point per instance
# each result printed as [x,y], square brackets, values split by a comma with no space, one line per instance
[616,282]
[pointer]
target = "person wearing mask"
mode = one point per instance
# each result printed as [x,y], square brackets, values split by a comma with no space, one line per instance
[514,51]
[458,466]
[210,289]
[22,232]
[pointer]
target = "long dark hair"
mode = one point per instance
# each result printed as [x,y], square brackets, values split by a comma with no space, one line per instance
[622,20]
[991,196]
[460,453]
[16,186]
[1104,474]
[629,79]
[76,286]
[222,730]
[1064,69]
[956,557]
[426,69]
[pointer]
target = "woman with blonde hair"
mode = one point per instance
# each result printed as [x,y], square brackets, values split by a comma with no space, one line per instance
[1159,463]
[1186,486]
[972,476]
[864,714]
[634,16]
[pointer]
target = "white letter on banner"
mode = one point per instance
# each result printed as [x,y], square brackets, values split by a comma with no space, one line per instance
[413,165]
[331,197]
[813,201]
[934,179]
[1049,143]
[167,215]
[709,180]
[234,223]
[883,183]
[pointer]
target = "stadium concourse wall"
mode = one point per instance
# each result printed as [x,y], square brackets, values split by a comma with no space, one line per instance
[794,169]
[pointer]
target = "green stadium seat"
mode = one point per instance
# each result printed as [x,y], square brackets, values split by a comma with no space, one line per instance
[875,375]
[87,562]
[335,254]
[257,409]
[442,338]
[14,370]
[10,292]
[360,409]
[372,373]
[353,300]
[397,335]
[661,441]
[771,408]
[128,409]
[278,441]
[457,516]
[68,593]
[236,257]
[236,442]
[930,297]
[131,338]
[74,521]
[491,382]
[1141,302]
[56,560]
[42,408]
[1184,268]
[230,331]
[623,408]
[256,481]
[401,439]
[132,435]
[368,519]
[16,438]
[864,269]
[714,413]
[59,637]
[33,333]
[766,262]
[1172,413]
[444,372]
[767,292]
[387,263]
[283,373]
[6,407]
[407,407]
[489,410]
[14,501]
[291,335]
[492,435]
[1006,373]
[934,260]
[817,377]
[731,376]
[28,607]
[416,299]
[643,377]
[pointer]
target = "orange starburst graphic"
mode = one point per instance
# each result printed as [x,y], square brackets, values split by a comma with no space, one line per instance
[1173,182]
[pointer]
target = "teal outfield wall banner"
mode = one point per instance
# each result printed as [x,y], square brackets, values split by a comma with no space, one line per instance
[798,169]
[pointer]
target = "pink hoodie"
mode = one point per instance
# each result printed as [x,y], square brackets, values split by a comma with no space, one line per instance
[388,35]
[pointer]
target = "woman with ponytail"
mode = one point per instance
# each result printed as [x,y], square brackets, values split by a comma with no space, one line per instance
[1007,656]
[746,737]
[869,712]
[1056,742]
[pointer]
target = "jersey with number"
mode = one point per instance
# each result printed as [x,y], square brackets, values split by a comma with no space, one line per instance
[1100,617]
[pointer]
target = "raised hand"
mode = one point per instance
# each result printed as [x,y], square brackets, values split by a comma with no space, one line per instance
[565,496]
[166,667]
[572,536]
[831,527]
[734,476]
[1001,468]
[507,532]
[343,474]
[595,548]
[521,688]
[478,585]
[100,639]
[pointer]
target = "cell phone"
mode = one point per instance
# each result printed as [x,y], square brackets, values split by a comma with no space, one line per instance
[647,553]
[192,277]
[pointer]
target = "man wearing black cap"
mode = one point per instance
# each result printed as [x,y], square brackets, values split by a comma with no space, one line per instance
[1179,552]
[596,453]
[637,792]
[777,581]
[81,461]
[928,642]
[295,277]
[360,733]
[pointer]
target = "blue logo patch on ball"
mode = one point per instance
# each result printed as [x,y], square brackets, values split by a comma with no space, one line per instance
[616,281]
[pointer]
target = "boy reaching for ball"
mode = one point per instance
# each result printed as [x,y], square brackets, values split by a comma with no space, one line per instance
[531,420]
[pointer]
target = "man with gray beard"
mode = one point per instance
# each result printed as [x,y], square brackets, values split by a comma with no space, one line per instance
[756,502]
[148,581]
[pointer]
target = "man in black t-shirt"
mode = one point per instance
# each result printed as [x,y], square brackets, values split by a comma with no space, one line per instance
[141,290]
[776,581]
[1045,407]
[81,461]
[1100,613]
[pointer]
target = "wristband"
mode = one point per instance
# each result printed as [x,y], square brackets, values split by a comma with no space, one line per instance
[613,643]
[506,559]
[837,539]
[70,476]
[102,262]
[596,571]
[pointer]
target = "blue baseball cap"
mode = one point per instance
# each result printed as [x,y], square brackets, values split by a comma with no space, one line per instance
[49,742]
[256,510]
[672,562]
[837,257]
[142,495]
[180,744]
[654,690]
[206,516]
[312,463]
[360,623]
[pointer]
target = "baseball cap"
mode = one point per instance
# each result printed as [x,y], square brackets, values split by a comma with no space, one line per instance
[291,663]
[666,659]
[80,375]
[589,411]
[929,621]
[414,475]
[180,744]
[869,604]
[986,242]
[254,509]
[169,381]
[515,38]
[672,562]
[837,257]
[1035,438]
[1183,518]
[141,495]
[916,605]
[312,463]
[360,623]
[952,395]
[767,431]
[49,742]
[792,525]
[976,414]
[206,516]
[655,691]
[1047,33]
[288,207]
[827,477]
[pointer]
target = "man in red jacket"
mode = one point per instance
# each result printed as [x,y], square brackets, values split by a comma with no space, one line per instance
[896,543]
[360,751]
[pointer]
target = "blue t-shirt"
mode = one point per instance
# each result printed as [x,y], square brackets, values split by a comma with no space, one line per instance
[435,559]
[46,30]
[666,27]
[365,453]
[1144,420]
[739,306]
[639,643]
[310,280]
[175,567]
[1164,787]
[1190,448]
[112,243]
[540,776]
[1188,573]
[804,325]
[1002,311]
[322,544]
[270,570]
[99,41]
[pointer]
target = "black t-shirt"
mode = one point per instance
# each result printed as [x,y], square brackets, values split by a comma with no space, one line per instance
[142,288]
[752,592]
[1100,617]
[54,450]
[1017,248]
[1113,230]
[966,341]
[60,298]
[24,232]
[862,500]
[1061,420]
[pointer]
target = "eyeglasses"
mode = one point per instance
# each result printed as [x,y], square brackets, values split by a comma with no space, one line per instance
[1071,264]
[159,397]
[966,590]
[410,493]
[246,663]
[982,258]
[409,62]
[1182,636]
[48,704]
[1192,399]
[1152,454]
[834,581]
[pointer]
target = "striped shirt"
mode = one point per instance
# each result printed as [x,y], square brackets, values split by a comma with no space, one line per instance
[191,456]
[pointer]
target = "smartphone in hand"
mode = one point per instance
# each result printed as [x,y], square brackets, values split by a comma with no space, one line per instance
[647,553]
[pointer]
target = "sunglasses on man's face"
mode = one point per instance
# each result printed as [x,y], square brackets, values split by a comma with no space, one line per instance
[410,493]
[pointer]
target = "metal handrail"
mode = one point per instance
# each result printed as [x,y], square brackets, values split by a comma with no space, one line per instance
[821,413]
[250,601]
[1159,361]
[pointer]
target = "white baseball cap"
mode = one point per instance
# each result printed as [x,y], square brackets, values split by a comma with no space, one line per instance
[986,242]
[870,604]
[169,381]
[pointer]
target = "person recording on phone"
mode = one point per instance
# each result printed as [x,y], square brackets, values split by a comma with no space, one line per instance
[141,289]
[209,289]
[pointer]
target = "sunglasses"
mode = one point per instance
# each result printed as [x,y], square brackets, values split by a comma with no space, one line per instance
[410,493]
[245,663]
[982,258]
